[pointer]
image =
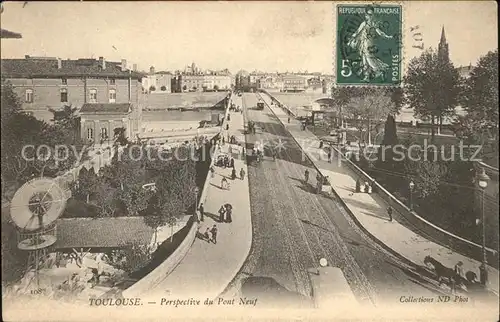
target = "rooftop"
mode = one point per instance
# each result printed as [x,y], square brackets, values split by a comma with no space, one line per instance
[45,67]
[108,108]
[464,71]
[109,232]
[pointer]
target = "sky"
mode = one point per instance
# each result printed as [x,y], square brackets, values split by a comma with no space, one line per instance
[265,36]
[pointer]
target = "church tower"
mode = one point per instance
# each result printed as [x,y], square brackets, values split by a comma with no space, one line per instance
[443,51]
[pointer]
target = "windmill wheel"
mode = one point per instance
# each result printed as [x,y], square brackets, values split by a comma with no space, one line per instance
[37,203]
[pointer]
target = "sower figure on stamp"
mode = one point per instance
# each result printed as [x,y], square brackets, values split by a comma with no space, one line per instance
[363,40]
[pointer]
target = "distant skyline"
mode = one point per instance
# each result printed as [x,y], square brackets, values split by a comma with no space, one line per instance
[265,36]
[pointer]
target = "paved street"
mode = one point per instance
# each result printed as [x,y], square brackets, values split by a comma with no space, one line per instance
[207,267]
[370,210]
[293,228]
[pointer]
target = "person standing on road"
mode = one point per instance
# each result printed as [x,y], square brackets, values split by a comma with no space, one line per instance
[306,175]
[206,235]
[223,183]
[330,155]
[229,217]
[242,174]
[222,211]
[389,212]
[214,233]
[201,209]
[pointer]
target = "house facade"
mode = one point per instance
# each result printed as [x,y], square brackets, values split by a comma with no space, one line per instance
[48,83]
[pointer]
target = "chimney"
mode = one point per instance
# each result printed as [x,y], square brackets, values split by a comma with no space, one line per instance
[134,67]
[124,65]
[102,63]
[59,63]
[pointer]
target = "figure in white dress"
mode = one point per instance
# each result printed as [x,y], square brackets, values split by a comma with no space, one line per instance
[363,40]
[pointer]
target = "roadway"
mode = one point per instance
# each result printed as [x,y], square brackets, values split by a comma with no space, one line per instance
[293,228]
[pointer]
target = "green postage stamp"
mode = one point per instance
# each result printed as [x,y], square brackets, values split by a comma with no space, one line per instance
[369,41]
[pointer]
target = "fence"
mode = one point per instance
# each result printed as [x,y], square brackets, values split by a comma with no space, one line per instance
[424,227]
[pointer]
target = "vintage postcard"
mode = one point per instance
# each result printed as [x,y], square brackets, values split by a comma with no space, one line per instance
[266,160]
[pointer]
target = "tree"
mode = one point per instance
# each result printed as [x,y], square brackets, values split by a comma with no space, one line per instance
[152,88]
[431,87]
[480,100]
[216,88]
[163,88]
[342,96]
[84,187]
[130,258]
[66,117]
[427,176]
[105,198]
[397,97]
[29,145]
[184,88]
[386,153]
[120,137]
[175,181]
[480,96]
[155,221]
[371,104]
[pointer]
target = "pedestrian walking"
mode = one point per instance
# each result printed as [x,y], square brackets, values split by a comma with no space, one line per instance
[214,234]
[459,269]
[223,140]
[242,174]
[212,171]
[329,155]
[223,183]
[229,217]
[201,209]
[222,212]
[289,119]
[206,234]
[231,163]
[389,212]
[227,125]
[306,176]
[233,174]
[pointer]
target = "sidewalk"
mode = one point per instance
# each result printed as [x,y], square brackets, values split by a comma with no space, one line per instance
[208,268]
[370,209]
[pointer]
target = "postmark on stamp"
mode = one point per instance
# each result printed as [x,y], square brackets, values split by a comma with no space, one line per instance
[369,44]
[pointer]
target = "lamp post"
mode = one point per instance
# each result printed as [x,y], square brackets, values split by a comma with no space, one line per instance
[411,185]
[482,182]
